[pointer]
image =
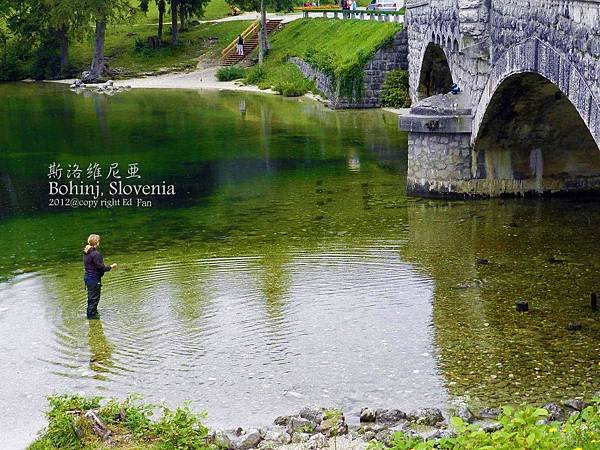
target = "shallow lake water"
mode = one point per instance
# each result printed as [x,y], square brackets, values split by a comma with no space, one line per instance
[288,269]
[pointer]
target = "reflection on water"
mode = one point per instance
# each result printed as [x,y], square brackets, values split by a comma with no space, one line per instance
[290,268]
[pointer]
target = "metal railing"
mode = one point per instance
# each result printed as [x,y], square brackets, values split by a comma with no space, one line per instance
[359,14]
[254,26]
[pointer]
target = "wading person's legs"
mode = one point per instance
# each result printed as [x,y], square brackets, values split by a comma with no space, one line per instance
[93,298]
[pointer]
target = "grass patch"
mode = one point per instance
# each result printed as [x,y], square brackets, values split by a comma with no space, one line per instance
[216,9]
[230,73]
[131,425]
[339,48]
[127,55]
[282,77]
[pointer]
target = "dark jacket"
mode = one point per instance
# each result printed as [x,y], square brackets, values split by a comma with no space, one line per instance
[93,263]
[240,40]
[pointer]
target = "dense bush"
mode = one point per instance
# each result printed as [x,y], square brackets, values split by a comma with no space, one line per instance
[394,92]
[255,75]
[230,73]
[524,428]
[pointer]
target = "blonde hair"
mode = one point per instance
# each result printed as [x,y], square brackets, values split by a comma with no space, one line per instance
[93,240]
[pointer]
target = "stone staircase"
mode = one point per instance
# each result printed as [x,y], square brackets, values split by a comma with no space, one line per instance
[229,54]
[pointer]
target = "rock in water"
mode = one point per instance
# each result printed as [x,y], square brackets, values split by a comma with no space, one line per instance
[489,413]
[465,414]
[426,416]
[389,415]
[555,412]
[298,423]
[247,441]
[312,413]
[575,404]
[367,415]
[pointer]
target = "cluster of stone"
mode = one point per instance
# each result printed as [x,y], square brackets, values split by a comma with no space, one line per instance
[391,57]
[107,88]
[314,427]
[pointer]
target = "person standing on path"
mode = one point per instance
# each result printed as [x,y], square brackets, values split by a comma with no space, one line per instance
[240,45]
[94,267]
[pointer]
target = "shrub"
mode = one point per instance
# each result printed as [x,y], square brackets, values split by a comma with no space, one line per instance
[255,75]
[11,66]
[230,73]
[394,92]
[129,421]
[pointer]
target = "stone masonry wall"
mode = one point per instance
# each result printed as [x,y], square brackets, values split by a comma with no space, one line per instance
[391,57]
[437,162]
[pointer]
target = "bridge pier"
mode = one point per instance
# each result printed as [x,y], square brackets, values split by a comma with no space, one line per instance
[439,147]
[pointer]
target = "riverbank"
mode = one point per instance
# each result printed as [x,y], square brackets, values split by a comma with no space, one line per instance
[78,422]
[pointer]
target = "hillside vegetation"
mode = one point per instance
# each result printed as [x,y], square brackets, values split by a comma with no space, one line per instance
[339,48]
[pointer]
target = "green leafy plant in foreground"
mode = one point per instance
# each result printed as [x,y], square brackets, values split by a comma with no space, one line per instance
[523,428]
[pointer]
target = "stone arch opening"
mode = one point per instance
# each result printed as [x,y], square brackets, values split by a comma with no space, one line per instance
[532,140]
[435,77]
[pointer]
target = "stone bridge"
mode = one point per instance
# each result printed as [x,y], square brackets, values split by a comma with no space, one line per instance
[527,118]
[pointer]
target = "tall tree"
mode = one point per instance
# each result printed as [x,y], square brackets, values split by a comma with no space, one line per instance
[174,25]
[102,11]
[161,5]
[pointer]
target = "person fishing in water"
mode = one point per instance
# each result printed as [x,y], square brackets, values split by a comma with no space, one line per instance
[93,264]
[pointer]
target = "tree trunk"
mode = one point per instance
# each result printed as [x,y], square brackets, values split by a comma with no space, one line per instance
[97,69]
[174,30]
[161,16]
[63,39]
[182,17]
[262,37]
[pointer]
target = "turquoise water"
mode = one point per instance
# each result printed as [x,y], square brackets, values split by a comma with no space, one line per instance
[289,267]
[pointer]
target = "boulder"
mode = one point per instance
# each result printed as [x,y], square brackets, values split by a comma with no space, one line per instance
[426,416]
[465,414]
[299,438]
[246,441]
[367,415]
[312,413]
[555,412]
[317,441]
[299,424]
[489,413]
[282,420]
[389,415]
[488,425]
[575,404]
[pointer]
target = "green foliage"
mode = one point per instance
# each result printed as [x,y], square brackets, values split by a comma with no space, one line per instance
[524,428]
[256,75]
[282,77]
[394,92]
[180,429]
[11,66]
[130,422]
[339,48]
[230,73]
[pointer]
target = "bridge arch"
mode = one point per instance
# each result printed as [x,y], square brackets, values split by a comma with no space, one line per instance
[534,56]
[532,139]
[435,74]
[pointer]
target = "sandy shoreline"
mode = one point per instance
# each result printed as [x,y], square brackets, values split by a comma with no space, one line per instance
[196,80]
